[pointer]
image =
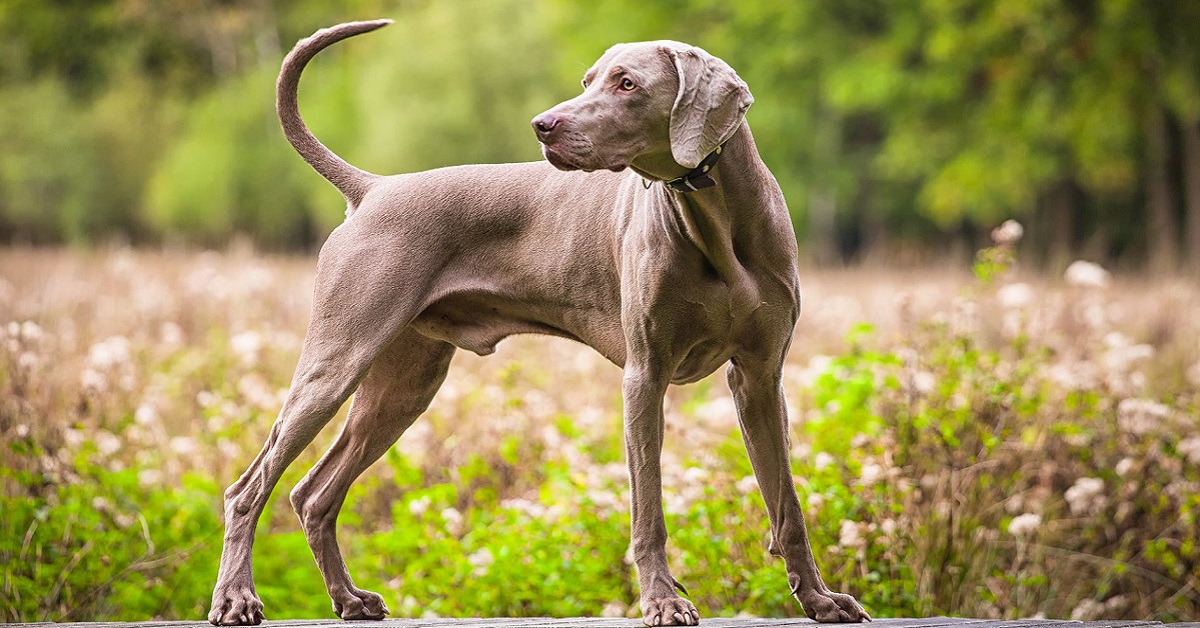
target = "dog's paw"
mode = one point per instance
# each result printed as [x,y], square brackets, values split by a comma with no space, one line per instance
[235,606]
[356,603]
[669,611]
[829,607]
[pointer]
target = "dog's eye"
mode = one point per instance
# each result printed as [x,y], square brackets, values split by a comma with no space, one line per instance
[627,85]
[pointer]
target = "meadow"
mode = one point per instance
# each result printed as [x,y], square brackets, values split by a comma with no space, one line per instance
[991,443]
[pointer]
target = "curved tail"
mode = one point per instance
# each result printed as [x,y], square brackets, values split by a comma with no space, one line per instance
[352,182]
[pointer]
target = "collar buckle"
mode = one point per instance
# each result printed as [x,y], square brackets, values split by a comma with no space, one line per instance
[700,177]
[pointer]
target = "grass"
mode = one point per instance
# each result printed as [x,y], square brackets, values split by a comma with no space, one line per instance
[1007,447]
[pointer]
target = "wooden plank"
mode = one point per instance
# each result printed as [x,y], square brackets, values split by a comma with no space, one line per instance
[605,622]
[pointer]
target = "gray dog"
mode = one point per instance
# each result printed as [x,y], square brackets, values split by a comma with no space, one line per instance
[670,271]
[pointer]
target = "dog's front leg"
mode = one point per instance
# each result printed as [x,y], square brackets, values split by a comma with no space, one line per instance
[762,414]
[643,391]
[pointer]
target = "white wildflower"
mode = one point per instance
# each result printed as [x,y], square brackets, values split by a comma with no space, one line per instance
[171,335]
[1009,232]
[850,535]
[145,415]
[246,347]
[184,446]
[1079,375]
[695,474]
[27,361]
[718,410]
[817,366]
[1088,610]
[1086,496]
[1140,416]
[149,477]
[418,506]
[1023,525]
[870,474]
[453,519]
[22,430]
[228,449]
[109,353]
[747,485]
[614,609]
[676,503]
[258,392]
[1015,296]
[815,500]
[107,443]
[93,381]
[888,527]
[1121,353]
[964,318]
[1125,465]
[822,460]
[1190,448]
[30,331]
[73,438]
[1085,274]
[481,560]
[207,399]
[924,382]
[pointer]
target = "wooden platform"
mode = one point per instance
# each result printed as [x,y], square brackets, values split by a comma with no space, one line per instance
[601,622]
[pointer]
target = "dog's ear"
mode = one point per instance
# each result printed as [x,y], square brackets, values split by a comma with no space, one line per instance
[709,107]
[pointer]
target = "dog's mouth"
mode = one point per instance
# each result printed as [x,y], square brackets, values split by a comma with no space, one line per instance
[558,160]
[563,162]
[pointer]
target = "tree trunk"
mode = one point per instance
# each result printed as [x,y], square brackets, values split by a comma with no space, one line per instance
[1060,204]
[1161,228]
[822,196]
[1191,186]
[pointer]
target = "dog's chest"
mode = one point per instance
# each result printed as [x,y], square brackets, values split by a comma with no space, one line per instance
[702,321]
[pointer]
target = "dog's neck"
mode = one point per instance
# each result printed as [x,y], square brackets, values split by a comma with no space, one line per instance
[704,215]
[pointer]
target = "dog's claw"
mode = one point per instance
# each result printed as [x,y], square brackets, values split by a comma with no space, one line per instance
[680,587]
[670,611]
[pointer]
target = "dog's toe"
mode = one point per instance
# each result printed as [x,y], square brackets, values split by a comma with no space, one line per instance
[669,611]
[359,604]
[830,607]
[236,607]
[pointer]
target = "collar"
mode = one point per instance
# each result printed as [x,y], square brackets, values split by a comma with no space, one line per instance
[699,178]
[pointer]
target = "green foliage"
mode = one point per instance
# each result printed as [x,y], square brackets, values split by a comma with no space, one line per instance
[969,462]
[82,540]
[881,120]
[232,172]
[46,180]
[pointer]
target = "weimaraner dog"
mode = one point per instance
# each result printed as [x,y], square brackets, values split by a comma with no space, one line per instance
[655,234]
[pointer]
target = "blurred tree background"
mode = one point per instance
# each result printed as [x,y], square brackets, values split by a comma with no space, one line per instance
[900,130]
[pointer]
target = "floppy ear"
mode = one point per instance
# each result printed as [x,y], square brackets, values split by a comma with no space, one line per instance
[711,103]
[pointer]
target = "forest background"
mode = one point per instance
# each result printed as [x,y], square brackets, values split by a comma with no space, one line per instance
[900,131]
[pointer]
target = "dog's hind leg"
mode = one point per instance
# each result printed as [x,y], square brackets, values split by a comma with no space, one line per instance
[354,318]
[395,391]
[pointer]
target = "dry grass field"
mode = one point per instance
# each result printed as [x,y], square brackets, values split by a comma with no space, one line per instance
[1018,447]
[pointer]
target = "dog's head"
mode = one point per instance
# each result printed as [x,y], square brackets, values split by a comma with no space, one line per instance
[645,100]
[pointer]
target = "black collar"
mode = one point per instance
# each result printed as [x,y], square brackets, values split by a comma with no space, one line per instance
[699,178]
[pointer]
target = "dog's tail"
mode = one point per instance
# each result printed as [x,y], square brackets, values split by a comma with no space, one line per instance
[352,182]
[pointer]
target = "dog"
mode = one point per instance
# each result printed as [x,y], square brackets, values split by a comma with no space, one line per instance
[652,232]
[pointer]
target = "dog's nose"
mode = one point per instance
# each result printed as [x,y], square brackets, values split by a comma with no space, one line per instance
[545,124]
